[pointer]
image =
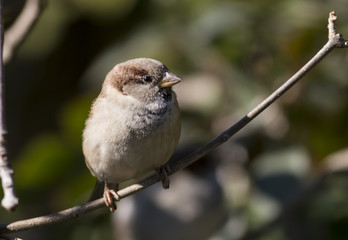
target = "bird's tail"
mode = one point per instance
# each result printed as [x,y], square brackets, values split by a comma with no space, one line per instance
[98,190]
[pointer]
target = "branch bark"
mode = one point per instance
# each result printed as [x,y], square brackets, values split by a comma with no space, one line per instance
[335,40]
[10,201]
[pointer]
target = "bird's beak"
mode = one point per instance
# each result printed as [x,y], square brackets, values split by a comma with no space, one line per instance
[169,80]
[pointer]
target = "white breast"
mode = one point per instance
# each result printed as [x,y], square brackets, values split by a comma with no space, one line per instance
[119,145]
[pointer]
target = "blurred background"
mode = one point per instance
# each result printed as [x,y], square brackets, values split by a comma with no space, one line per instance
[231,55]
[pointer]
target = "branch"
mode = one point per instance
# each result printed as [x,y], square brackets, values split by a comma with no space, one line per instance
[10,201]
[335,40]
[341,43]
[16,34]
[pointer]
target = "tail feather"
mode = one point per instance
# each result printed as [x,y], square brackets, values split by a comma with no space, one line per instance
[98,190]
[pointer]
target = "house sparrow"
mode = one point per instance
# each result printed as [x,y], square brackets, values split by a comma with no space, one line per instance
[134,124]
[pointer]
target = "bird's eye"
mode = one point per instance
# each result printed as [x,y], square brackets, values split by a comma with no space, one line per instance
[147,78]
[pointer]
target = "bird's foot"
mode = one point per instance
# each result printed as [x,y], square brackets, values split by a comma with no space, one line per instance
[163,175]
[110,196]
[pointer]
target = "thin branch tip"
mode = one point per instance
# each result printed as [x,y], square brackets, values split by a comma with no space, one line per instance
[10,200]
[331,24]
[336,38]
[333,15]
[10,203]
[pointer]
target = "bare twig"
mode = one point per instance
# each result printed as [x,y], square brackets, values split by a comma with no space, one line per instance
[331,24]
[332,30]
[335,40]
[10,201]
[16,34]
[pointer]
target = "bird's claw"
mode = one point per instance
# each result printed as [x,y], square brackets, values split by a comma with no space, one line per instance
[109,197]
[163,175]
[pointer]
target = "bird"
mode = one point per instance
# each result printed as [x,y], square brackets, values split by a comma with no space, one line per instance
[133,126]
